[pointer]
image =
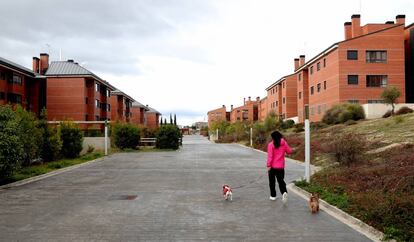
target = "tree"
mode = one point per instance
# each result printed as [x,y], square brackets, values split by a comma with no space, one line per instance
[72,139]
[390,95]
[171,121]
[161,122]
[175,120]
[50,143]
[165,121]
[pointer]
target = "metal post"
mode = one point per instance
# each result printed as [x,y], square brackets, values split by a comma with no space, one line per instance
[106,137]
[251,136]
[217,134]
[307,144]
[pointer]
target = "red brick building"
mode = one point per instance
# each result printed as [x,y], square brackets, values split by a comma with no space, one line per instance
[355,70]
[75,93]
[138,113]
[20,85]
[152,118]
[248,112]
[263,109]
[409,63]
[120,106]
[282,95]
[219,114]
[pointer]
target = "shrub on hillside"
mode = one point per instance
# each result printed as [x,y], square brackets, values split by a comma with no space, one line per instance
[11,147]
[72,139]
[404,110]
[343,112]
[298,128]
[287,124]
[348,147]
[271,122]
[126,135]
[387,114]
[50,143]
[168,137]
[259,133]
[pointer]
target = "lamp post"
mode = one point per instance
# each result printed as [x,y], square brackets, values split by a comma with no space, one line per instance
[106,136]
[307,144]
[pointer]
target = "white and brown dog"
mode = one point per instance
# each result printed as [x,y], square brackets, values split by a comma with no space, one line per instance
[227,192]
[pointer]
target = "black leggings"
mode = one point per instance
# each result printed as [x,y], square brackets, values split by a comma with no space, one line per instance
[280,175]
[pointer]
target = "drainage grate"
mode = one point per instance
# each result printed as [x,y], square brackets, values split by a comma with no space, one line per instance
[123,197]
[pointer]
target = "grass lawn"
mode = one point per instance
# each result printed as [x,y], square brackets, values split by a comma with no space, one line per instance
[35,170]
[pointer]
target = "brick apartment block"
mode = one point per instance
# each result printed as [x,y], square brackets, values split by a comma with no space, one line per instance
[409,63]
[120,106]
[152,118]
[282,97]
[249,112]
[138,113]
[219,114]
[263,109]
[19,85]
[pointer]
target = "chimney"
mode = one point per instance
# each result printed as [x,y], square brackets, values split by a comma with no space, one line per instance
[250,98]
[231,107]
[44,63]
[389,22]
[400,19]
[301,60]
[36,62]
[70,60]
[348,30]
[244,101]
[296,60]
[356,25]
[257,99]
[224,106]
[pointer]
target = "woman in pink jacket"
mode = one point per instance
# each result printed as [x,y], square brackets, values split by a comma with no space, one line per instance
[276,151]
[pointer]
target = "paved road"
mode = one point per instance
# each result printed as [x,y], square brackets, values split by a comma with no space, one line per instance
[178,198]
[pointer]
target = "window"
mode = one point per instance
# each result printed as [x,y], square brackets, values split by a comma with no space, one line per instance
[353,101]
[108,93]
[352,79]
[319,109]
[277,103]
[318,66]
[97,87]
[108,107]
[352,55]
[283,84]
[324,85]
[15,80]
[311,70]
[311,90]
[300,95]
[14,98]
[97,103]
[318,87]
[312,110]
[86,100]
[245,114]
[97,118]
[376,56]
[324,62]
[2,96]
[284,100]
[300,76]
[377,80]
[86,117]
[2,75]
[376,101]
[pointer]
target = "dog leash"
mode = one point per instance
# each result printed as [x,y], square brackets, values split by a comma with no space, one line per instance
[249,183]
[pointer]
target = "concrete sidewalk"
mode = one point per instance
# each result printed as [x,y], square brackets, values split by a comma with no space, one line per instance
[178,197]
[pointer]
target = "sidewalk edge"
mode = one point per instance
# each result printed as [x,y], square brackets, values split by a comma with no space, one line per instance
[356,224]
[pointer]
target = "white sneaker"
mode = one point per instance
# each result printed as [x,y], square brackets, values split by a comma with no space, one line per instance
[285,197]
[272,198]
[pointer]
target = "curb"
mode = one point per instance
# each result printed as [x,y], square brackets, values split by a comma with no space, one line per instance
[356,224]
[49,174]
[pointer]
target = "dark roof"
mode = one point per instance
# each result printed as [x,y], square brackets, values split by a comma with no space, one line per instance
[140,105]
[69,68]
[121,93]
[151,110]
[17,67]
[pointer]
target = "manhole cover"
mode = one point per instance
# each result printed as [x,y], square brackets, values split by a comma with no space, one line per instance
[123,197]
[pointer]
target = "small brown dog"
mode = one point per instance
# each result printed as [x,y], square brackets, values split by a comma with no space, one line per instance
[314,202]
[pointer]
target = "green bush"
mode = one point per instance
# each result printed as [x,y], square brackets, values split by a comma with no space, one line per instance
[287,124]
[299,128]
[30,135]
[50,143]
[11,146]
[168,137]
[343,112]
[72,139]
[404,110]
[271,122]
[126,136]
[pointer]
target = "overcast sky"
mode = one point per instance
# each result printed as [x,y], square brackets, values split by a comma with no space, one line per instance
[184,56]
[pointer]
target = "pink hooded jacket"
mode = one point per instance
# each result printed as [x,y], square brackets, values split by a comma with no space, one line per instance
[276,156]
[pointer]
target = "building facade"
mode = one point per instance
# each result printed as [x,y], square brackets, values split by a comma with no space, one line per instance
[152,118]
[120,106]
[138,113]
[249,112]
[219,114]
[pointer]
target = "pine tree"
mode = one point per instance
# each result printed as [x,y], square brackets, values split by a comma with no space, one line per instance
[175,119]
[161,122]
[171,121]
[165,121]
